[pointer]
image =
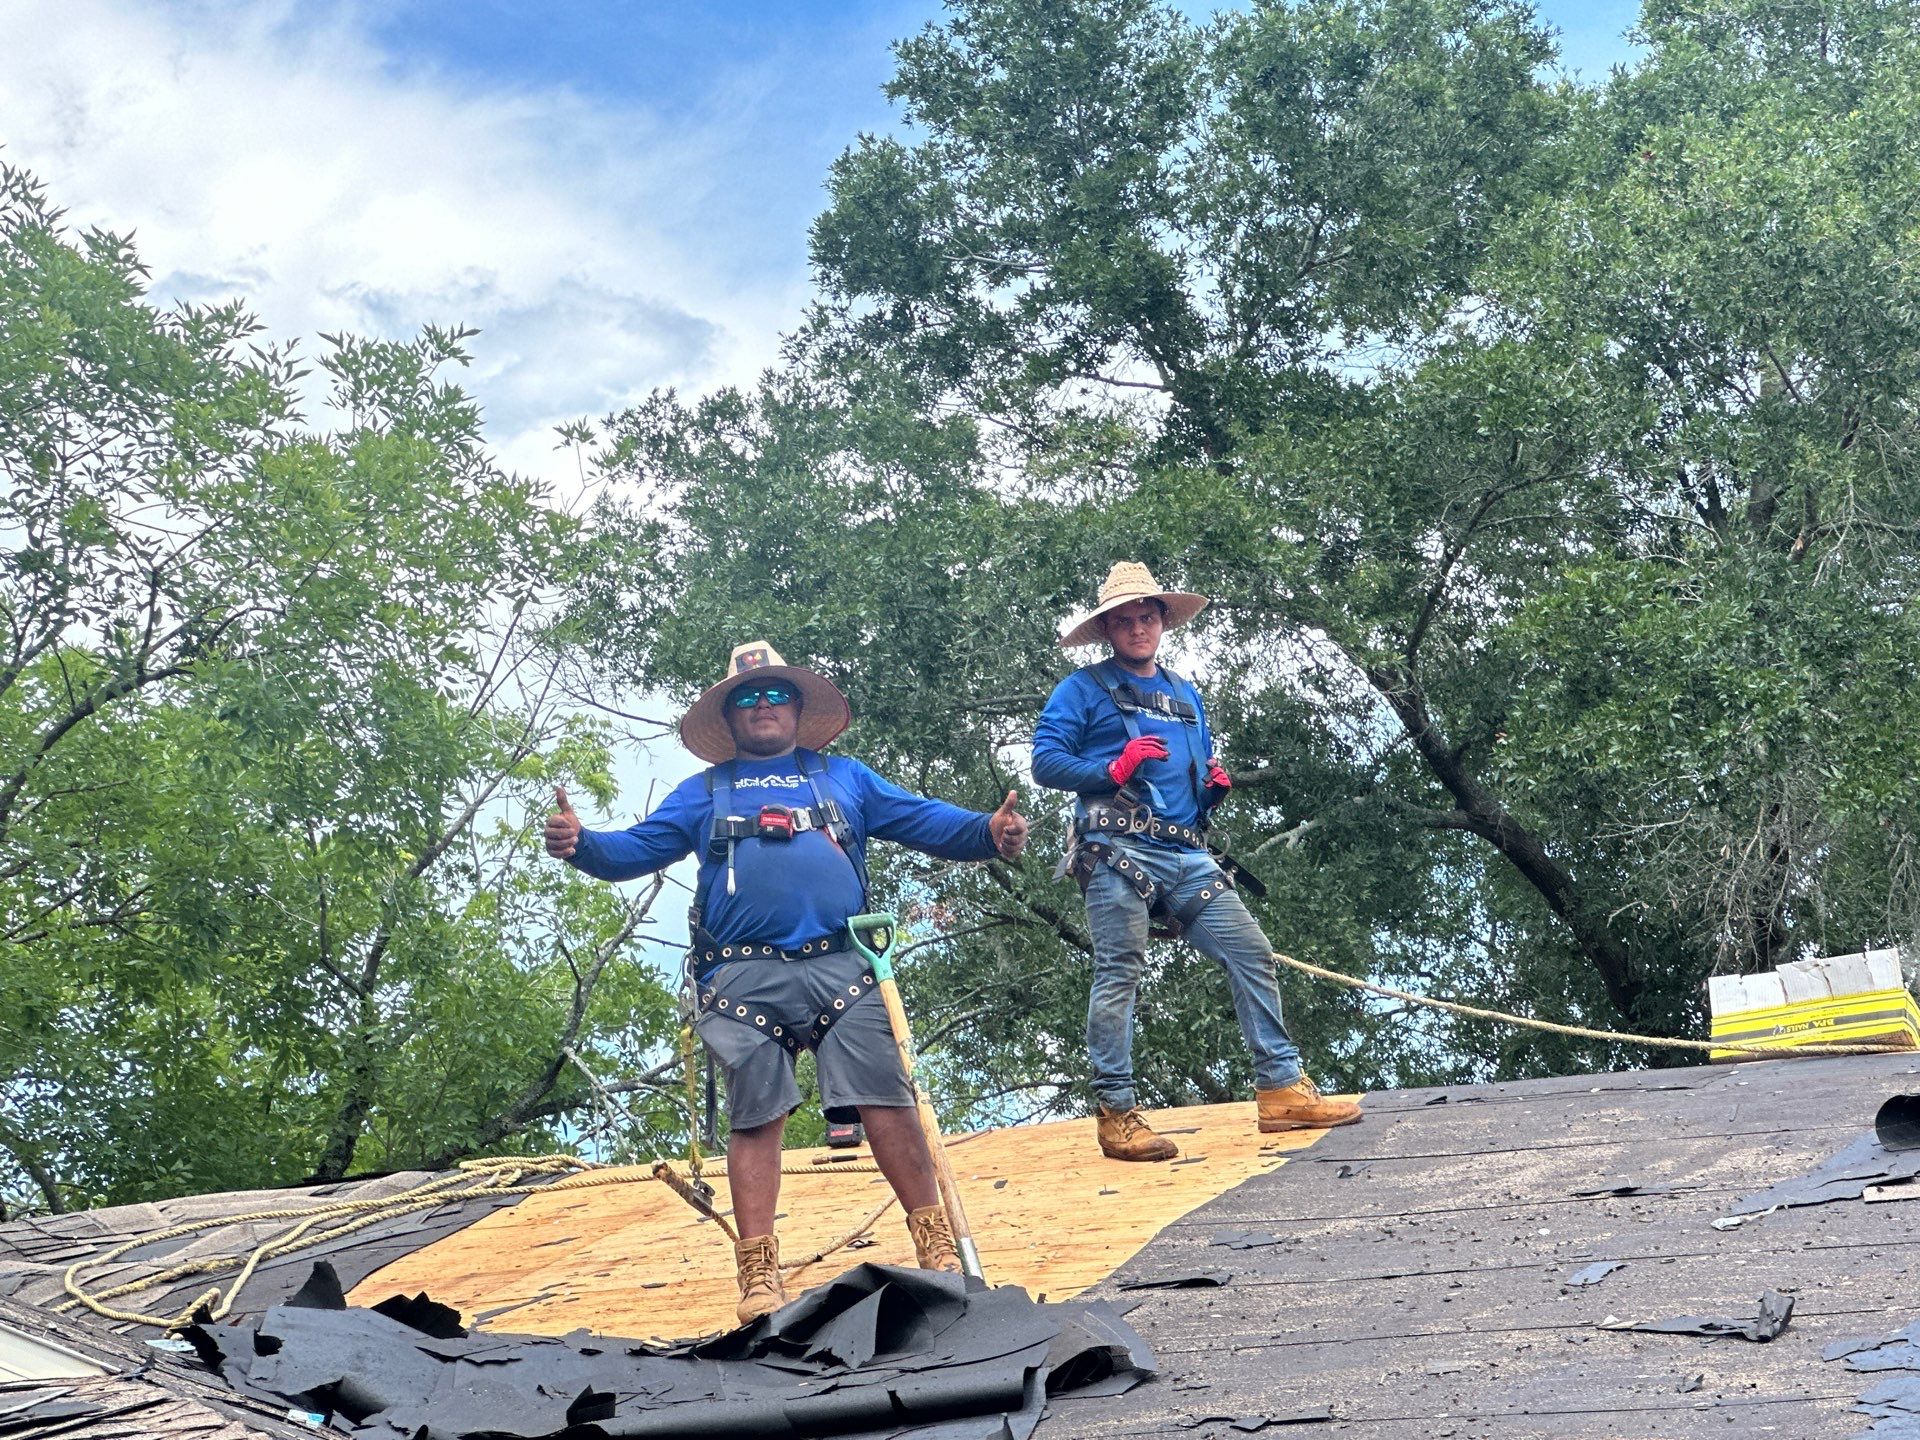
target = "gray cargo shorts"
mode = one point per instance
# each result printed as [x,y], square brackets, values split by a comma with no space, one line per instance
[857,1061]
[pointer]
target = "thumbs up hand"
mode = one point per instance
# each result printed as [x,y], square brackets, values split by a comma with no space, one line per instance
[563,826]
[1008,827]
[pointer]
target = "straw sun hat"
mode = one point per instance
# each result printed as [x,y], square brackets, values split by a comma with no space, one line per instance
[823,709]
[1126,582]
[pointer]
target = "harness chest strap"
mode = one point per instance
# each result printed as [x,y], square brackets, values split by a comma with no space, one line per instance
[798,819]
[1129,699]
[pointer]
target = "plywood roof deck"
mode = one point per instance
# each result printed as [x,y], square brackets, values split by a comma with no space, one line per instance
[1049,1212]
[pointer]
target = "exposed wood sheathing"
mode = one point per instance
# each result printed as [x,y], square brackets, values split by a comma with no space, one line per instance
[1049,1212]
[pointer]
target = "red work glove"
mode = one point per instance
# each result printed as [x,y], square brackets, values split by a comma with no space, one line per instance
[1137,753]
[1217,778]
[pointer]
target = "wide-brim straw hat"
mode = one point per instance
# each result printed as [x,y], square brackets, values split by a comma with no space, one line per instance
[824,711]
[1126,582]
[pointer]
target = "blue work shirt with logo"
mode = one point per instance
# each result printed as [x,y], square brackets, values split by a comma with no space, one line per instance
[1081,731]
[785,892]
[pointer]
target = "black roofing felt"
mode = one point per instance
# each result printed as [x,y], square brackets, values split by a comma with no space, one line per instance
[876,1352]
[1422,1286]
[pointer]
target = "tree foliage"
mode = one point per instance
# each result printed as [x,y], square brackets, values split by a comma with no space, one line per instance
[268,710]
[1545,447]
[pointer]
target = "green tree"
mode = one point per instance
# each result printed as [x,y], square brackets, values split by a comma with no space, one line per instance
[1544,447]
[273,705]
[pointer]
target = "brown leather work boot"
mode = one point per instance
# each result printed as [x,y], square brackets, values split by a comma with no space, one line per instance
[1300,1106]
[933,1239]
[1124,1135]
[761,1291]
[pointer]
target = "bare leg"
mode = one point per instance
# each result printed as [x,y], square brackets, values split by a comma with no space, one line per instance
[753,1176]
[900,1148]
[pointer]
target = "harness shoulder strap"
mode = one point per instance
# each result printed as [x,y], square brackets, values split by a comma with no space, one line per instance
[720,791]
[1120,691]
[1190,734]
[815,770]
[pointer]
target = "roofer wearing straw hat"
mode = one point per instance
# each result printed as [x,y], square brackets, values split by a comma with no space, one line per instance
[1130,739]
[782,832]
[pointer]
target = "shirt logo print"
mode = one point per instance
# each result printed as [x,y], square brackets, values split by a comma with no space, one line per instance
[767,782]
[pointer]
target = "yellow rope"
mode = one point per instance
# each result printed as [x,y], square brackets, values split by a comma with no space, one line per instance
[845,1240]
[1658,1042]
[687,1071]
[487,1177]
[494,1176]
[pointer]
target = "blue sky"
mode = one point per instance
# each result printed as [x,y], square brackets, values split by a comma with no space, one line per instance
[618,194]
[787,85]
[790,84]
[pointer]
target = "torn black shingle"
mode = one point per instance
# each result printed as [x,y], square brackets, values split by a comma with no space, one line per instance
[1846,1176]
[1897,1122]
[1593,1274]
[1775,1311]
[875,1352]
[1187,1280]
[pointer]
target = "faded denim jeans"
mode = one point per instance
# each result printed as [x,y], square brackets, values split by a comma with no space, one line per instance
[1223,931]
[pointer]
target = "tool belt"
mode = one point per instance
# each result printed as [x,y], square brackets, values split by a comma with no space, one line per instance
[1109,820]
[711,1000]
[708,952]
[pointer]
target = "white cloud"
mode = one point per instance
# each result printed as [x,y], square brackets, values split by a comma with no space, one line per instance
[291,165]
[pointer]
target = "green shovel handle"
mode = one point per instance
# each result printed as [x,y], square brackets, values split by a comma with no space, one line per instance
[873,936]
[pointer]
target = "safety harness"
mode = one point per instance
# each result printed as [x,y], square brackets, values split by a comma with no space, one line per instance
[1129,812]
[777,824]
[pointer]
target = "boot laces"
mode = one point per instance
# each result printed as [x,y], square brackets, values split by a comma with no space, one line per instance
[759,1270]
[931,1230]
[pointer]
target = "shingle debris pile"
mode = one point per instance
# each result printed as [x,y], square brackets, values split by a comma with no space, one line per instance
[878,1352]
[1888,1156]
[1895,1400]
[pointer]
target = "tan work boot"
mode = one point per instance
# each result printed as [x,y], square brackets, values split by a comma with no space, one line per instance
[761,1292]
[1300,1106]
[933,1239]
[1124,1135]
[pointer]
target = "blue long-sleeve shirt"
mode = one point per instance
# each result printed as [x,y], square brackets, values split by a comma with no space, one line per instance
[786,892]
[1081,731]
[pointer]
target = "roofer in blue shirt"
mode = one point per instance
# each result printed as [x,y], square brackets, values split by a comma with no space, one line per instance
[782,833]
[1130,739]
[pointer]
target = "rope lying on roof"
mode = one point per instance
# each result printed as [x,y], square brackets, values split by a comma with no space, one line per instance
[490,1177]
[1657,1042]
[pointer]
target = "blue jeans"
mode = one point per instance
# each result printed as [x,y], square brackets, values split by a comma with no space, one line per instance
[1224,931]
